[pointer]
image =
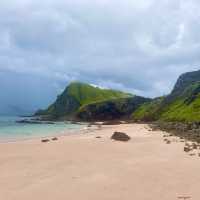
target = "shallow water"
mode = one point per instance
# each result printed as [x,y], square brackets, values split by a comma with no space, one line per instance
[10,130]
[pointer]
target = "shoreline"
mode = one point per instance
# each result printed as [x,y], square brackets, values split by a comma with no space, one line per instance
[83,131]
[30,138]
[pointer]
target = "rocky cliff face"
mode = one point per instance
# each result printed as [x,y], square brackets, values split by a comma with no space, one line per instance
[184,81]
[65,106]
[111,109]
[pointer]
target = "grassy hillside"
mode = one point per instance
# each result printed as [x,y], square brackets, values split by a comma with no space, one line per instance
[86,94]
[77,95]
[182,105]
[185,108]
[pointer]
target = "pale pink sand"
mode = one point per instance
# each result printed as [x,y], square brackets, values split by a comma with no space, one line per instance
[83,167]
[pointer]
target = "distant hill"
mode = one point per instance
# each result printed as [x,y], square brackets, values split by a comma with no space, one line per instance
[14,110]
[183,104]
[76,96]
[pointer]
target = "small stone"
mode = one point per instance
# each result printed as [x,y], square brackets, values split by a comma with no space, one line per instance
[168,142]
[45,140]
[165,135]
[187,149]
[194,146]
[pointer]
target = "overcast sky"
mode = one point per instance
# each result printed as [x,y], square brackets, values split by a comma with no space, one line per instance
[141,46]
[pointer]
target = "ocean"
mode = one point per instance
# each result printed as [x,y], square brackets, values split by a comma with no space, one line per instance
[10,130]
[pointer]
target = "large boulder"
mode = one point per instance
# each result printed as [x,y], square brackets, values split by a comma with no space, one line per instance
[119,136]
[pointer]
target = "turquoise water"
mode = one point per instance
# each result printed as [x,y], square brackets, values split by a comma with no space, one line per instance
[10,130]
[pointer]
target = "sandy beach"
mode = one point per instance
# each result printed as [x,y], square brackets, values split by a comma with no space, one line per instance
[83,167]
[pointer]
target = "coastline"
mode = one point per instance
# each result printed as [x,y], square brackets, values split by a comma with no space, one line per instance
[99,168]
[15,129]
[84,130]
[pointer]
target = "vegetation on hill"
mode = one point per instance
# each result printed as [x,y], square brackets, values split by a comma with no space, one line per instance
[183,104]
[77,95]
[185,108]
[86,94]
[148,111]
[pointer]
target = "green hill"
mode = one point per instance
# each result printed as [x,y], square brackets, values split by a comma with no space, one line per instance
[77,95]
[183,104]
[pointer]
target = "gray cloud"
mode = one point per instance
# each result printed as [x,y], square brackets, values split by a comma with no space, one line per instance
[139,46]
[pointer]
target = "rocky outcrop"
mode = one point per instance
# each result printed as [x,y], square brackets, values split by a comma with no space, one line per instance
[111,109]
[184,81]
[190,131]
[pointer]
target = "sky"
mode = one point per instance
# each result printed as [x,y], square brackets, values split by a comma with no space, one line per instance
[136,46]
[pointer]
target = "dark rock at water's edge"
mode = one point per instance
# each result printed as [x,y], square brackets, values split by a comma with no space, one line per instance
[24,116]
[74,122]
[33,121]
[189,131]
[113,122]
[119,136]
